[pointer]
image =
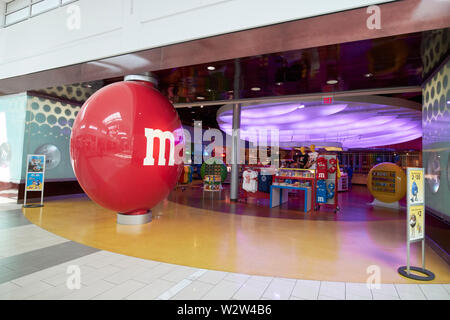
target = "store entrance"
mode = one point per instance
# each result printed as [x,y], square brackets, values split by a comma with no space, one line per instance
[324,157]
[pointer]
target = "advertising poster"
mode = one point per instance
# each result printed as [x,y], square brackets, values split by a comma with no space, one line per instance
[416,206]
[35,181]
[415,187]
[36,163]
[35,173]
[416,222]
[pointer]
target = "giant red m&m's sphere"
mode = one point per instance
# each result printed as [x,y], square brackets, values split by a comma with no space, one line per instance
[127,146]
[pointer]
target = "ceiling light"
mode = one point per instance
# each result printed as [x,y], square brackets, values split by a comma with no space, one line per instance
[200,98]
[368,75]
[279,83]
[201,107]
[343,123]
[301,106]
[332,81]
[255,89]
[211,68]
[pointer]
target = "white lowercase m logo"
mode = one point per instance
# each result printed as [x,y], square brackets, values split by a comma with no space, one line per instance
[151,134]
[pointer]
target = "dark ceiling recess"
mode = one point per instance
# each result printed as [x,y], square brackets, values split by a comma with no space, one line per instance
[206,114]
[389,62]
[361,65]
[367,64]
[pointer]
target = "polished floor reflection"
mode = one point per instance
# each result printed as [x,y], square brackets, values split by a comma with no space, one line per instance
[190,230]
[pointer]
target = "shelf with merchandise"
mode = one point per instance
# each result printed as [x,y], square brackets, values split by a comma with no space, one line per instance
[293,177]
[295,173]
[296,178]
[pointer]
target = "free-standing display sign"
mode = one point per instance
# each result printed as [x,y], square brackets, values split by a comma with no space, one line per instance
[34,180]
[415,204]
[415,222]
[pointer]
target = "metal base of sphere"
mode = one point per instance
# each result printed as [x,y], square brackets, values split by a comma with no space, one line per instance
[134,219]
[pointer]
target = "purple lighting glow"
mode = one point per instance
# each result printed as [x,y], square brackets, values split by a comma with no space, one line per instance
[353,124]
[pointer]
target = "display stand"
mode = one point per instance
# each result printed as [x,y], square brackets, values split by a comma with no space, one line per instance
[291,179]
[331,179]
[415,223]
[343,182]
[213,185]
[185,178]
[280,194]
[213,172]
[390,205]
[34,181]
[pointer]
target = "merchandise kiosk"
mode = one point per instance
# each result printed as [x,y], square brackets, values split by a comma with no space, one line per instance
[287,179]
[213,173]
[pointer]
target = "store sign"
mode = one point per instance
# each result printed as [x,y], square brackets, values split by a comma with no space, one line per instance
[35,173]
[415,204]
[327,100]
[383,181]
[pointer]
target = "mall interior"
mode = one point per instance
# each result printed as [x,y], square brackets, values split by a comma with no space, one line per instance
[325,106]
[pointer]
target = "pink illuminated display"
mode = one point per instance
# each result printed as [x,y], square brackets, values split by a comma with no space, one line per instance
[352,124]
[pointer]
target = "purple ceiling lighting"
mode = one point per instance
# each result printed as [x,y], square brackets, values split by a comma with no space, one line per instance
[352,124]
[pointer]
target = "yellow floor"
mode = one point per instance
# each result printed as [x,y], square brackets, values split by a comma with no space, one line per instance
[306,249]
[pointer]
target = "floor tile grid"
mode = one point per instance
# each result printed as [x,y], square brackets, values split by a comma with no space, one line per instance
[109,261]
[188,281]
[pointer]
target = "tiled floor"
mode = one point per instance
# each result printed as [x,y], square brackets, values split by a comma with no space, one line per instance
[138,280]
[35,265]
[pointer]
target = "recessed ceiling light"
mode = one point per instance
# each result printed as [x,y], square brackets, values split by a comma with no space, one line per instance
[301,106]
[279,83]
[211,68]
[255,89]
[368,75]
[201,107]
[209,90]
[332,81]
[200,98]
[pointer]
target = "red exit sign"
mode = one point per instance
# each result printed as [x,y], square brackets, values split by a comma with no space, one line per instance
[327,100]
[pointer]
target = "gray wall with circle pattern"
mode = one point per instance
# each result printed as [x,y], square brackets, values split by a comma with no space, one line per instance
[50,122]
[436,140]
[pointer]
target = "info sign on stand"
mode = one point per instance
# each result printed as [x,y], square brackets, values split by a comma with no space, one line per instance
[34,180]
[415,222]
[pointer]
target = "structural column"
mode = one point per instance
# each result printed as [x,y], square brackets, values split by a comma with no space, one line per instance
[235,152]
[235,148]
